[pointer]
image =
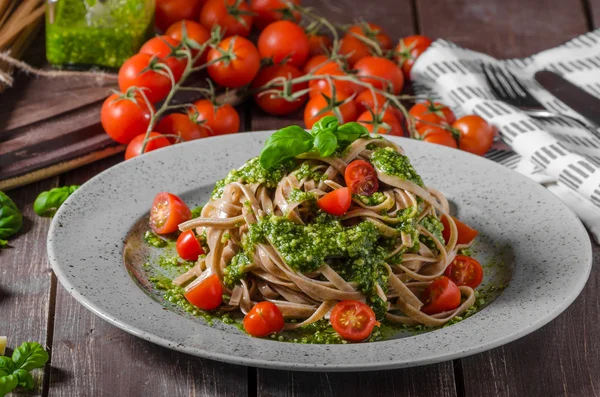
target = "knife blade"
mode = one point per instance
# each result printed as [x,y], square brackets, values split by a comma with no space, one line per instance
[576,98]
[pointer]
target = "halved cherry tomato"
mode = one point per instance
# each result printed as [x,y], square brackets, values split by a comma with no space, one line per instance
[466,234]
[170,11]
[167,212]
[356,49]
[408,50]
[316,105]
[234,17]
[133,73]
[241,67]
[361,178]
[269,11]
[263,319]
[428,113]
[156,141]
[188,247]
[465,270]
[383,123]
[217,119]
[208,295]
[336,202]
[195,33]
[353,320]
[315,62]
[124,116]
[438,135]
[476,135]
[162,47]
[319,43]
[182,125]
[440,296]
[269,101]
[381,73]
[284,39]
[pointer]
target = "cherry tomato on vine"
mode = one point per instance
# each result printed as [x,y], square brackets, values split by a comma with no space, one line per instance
[194,32]
[465,270]
[188,247]
[167,212]
[433,134]
[269,11]
[123,116]
[162,47]
[440,296]
[336,202]
[361,178]
[134,148]
[466,234]
[240,66]
[269,101]
[428,113]
[369,100]
[319,44]
[170,11]
[381,73]
[353,320]
[316,62]
[217,119]
[235,19]
[263,319]
[476,135]
[383,123]
[208,295]
[408,50]
[323,86]
[284,39]
[157,86]
[182,125]
[355,49]
[319,107]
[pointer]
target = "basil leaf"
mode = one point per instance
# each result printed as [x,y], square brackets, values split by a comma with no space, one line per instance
[326,143]
[327,123]
[351,131]
[29,355]
[7,384]
[7,366]
[3,243]
[284,144]
[11,218]
[25,378]
[48,202]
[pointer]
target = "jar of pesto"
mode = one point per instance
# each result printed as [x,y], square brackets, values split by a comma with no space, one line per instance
[85,33]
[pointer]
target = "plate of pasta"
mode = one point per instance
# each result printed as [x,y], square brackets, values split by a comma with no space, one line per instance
[329,249]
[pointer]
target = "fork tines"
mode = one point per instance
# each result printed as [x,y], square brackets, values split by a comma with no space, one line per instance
[507,87]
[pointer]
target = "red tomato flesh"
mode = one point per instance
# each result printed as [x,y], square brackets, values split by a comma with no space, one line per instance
[188,247]
[440,296]
[361,178]
[336,202]
[167,212]
[353,320]
[466,234]
[263,319]
[465,270]
[208,295]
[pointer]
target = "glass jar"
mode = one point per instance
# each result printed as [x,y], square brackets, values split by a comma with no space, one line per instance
[102,33]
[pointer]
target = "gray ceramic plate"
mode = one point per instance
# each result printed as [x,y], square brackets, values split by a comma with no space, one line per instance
[545,250]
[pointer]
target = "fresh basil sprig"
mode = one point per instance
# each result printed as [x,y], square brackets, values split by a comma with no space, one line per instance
[11,218]
[48,202]
[14,372]
[325,137]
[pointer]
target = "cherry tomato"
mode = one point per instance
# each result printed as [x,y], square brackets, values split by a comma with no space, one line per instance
[195,33]
[386,73]
[182,125]
[167,212]
[188,247]
[356,49]
[383,123]
[315,62]
[353,320]
[336,202]
[263,319]
[269,102]
[369,100]
[208,295]
[156,85]
[319,44]
[361,178]
[234,21]
[161,47]
[466,234]
[345,112]
[170,11]
[123,116]
[440,296]
[219,120]
[269,11]
[322,86]
[476,135]
[242,66]
[283,39]
[408,50]
[428,113]
[437,135]
[155,141]
[465,270]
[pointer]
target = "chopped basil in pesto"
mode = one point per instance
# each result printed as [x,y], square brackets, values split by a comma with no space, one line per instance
[392,163]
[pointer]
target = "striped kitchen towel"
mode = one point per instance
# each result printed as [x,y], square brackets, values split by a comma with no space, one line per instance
[559,153]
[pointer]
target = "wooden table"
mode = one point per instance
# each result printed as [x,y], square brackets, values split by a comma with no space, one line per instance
[89,357]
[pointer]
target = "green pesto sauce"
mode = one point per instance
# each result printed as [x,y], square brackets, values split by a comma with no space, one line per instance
[305,172]
[93,32]
[435,227]
[298,196]
[196,212]
[253,172]
[392,163]
[372,200]
[153,239]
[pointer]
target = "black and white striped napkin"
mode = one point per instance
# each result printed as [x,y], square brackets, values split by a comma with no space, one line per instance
[558,152]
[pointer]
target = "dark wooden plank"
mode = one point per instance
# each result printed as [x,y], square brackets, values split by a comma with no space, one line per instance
[594,6]
[25,277]
[93,358]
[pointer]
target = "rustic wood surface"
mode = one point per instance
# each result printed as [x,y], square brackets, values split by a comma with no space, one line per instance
[89,357]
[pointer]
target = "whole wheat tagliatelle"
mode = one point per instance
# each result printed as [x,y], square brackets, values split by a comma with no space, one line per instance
[268,240]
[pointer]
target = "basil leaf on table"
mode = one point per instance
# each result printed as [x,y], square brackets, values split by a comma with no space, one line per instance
[30,355]
[11,218]
[14,371]
[7,384]
[285,144]
[7,366]
[326,143]
[48,202]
